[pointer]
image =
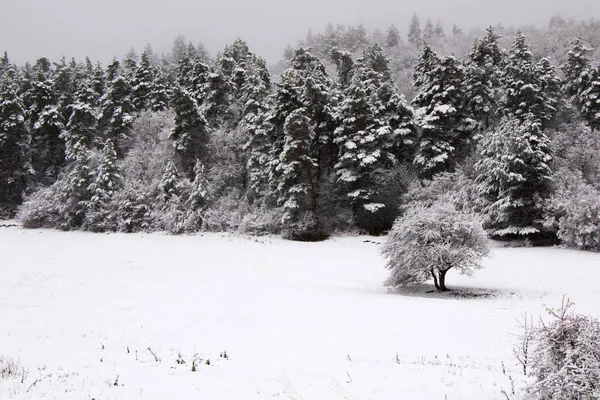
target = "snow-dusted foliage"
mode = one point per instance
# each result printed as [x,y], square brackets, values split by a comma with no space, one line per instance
[564,356]
[14,145]
[514,173]
[117,110]
[107,181]
[577,70]
[374,133]
[590,98]
[190,132]
[298,129]
[427,241]
[574,210]
[530,89]
[446,130]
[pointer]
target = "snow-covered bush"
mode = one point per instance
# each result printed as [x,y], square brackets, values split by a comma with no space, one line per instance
[564,356]
[133,207]
[574,208]
[42,209]
[427,241]
[232,213]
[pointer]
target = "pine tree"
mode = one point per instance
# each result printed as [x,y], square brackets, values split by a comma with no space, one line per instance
[344,63]
[483,78]
[577,70]
[524,94]
[190,132]
[106,183]
[304,86]
[77,194]
[456,31]
[374,129]
[590,97]
[142,84]
[199,195]
[392,37]
[46,124]
[550,86]
[117,111]
[438,31]
[297,168]
[428,31]
[107,178]
[169,183]
[255,97]
[513,172]
[414,31]
[14,142]
[446,130]
[82,127]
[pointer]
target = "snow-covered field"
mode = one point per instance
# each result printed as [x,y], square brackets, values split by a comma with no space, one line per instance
[93,316]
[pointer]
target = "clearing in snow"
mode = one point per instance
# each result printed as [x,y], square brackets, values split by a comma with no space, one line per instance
[217,316]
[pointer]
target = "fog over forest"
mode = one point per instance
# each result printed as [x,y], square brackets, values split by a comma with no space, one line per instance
[76,28]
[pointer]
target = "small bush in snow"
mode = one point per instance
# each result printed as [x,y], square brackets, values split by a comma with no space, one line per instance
[564,357]
[575,209]
[428,241]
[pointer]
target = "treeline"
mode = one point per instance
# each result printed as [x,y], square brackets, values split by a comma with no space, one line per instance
[185,143]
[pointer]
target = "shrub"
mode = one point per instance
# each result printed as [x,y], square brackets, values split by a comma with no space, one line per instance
[428,241]
[564,357]
[574,209]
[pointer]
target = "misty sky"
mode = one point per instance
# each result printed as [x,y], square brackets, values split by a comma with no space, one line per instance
[102,29]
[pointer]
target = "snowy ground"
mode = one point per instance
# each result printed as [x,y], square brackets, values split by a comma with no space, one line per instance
[92,316]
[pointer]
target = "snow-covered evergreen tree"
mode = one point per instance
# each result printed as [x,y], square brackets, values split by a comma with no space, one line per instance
[190,132]
[15,164]
[428,31]
[117,111]
[76,196]
[106,182]
[590,98]
[414,31]
[46,124]
[199,195]
[446,130]
[142,84]
[577,70]
[525,94]
[297,171]
[392,36]
[514,173]
[82,127]
[374,129]
[169,183]
[483,77]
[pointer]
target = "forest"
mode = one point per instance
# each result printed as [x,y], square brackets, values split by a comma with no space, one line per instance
[344,134]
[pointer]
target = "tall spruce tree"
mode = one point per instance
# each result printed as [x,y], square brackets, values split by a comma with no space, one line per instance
[306,86]
[374,127]
[525,95]
[190,132]
[414,31]
[45,121]
[446,129]
[15,165]
[577,70]
[514,172]
[590,98]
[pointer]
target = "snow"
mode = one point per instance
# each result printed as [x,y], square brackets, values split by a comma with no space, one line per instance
[83,314]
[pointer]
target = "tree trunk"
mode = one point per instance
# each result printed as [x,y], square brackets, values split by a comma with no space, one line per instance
[442,273]
[435,280]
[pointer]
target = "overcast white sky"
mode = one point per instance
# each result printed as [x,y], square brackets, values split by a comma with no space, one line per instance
[101,29]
